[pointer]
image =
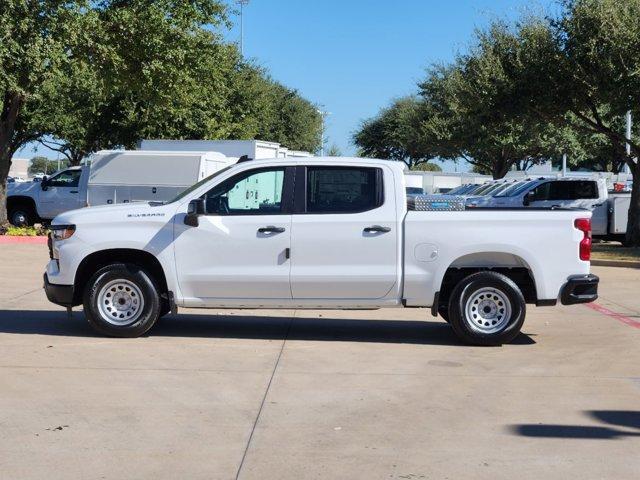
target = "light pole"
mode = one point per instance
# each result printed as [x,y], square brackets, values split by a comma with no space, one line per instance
[323,114]
[242,4]
[628,135]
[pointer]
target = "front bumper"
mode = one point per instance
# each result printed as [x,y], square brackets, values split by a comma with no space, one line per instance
[59,294]
[580,289]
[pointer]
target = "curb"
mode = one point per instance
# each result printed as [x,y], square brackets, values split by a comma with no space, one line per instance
[9,240]
[616,263]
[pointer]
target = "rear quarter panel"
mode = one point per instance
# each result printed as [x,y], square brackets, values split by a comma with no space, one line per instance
[545,242]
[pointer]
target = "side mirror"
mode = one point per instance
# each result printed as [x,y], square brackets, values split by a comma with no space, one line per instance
[194,210]
[43,183]
[526,201]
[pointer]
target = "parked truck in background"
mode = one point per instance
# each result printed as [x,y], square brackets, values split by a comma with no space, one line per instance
[307,233]
[112,176]
[610,209]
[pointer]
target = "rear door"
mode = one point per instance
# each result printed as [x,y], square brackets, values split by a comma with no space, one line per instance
[344,238]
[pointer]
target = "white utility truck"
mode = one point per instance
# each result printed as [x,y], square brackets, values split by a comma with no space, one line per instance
[113,176]
[311,233]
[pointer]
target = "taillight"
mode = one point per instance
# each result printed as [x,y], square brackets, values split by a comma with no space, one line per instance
[584,225]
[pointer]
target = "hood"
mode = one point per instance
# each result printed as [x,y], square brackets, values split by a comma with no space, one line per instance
[121,212]
[477,200]
[22,188]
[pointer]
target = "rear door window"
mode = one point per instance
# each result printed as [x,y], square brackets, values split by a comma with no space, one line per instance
[566,190]
[343,189]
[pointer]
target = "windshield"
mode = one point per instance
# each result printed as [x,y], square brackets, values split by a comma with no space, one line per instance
[195,186]
[520,187]
[506,192]
[482,189]
[490,188]
[461,189]
[503,188]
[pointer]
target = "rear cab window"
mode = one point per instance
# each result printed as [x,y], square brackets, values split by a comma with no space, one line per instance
[566,190]
[343,189]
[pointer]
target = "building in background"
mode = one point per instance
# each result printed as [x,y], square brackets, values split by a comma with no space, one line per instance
[19,168]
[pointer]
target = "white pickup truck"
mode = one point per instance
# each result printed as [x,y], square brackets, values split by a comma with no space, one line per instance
[312,233]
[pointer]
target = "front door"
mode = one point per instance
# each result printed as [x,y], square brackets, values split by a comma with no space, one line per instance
[60,193]
[344,239]
[239,252]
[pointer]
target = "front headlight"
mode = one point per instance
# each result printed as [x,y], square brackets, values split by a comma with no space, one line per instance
[62,232]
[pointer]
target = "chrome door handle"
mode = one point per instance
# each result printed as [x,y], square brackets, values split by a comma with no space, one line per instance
[376,229]
[271,229]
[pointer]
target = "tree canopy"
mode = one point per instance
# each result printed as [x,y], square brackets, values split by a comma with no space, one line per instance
[528,91]
[81,76]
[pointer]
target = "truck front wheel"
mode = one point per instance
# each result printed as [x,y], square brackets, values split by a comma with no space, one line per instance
[21,215]
[486,308]
[121,300]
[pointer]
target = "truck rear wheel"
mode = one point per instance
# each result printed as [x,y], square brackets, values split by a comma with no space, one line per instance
[121,300]
[486,308]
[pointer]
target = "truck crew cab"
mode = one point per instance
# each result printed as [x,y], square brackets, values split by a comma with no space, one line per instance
[311,233]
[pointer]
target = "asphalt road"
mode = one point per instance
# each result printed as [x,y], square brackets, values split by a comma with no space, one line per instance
[385,394]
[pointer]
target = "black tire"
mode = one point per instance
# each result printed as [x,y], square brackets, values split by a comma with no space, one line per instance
[21,215]
[486,308]
[443,311]
[128,276]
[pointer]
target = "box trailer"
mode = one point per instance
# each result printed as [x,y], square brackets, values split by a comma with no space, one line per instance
[131,176]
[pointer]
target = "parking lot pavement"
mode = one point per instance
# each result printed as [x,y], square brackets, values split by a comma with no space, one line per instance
[316,394]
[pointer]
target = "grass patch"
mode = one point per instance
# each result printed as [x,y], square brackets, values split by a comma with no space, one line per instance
[12,231]
[614,251]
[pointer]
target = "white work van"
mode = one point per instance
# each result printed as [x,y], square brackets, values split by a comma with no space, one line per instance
[112,176]
[311,233]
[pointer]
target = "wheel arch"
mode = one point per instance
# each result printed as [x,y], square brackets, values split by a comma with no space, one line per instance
[511,265]
[97,260]
[14,200]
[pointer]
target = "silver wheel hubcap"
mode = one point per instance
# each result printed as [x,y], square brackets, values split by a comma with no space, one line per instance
[488,310]
[120,302]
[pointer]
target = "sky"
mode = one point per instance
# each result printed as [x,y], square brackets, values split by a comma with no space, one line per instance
[353,57]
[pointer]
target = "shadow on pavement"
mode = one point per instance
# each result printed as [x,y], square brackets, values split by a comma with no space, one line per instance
[46,322]
[619,418]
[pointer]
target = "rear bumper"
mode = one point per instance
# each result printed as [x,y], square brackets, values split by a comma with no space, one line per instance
[59,294]
[580,289]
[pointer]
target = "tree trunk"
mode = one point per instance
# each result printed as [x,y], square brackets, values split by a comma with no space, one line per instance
[500,168]
[633,220]
[8,116]
[5,165]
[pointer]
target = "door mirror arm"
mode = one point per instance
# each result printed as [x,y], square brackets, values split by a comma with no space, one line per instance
[526,201]
[194,210]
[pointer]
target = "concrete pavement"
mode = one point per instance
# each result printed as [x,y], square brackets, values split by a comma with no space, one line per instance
[316,394]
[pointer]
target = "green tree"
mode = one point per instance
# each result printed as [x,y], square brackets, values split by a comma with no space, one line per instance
[334,151]
[291,120]
[45,165]
[148,69]
[393,134]
[37,43]
[427,167]
[588,58]
[468,110]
